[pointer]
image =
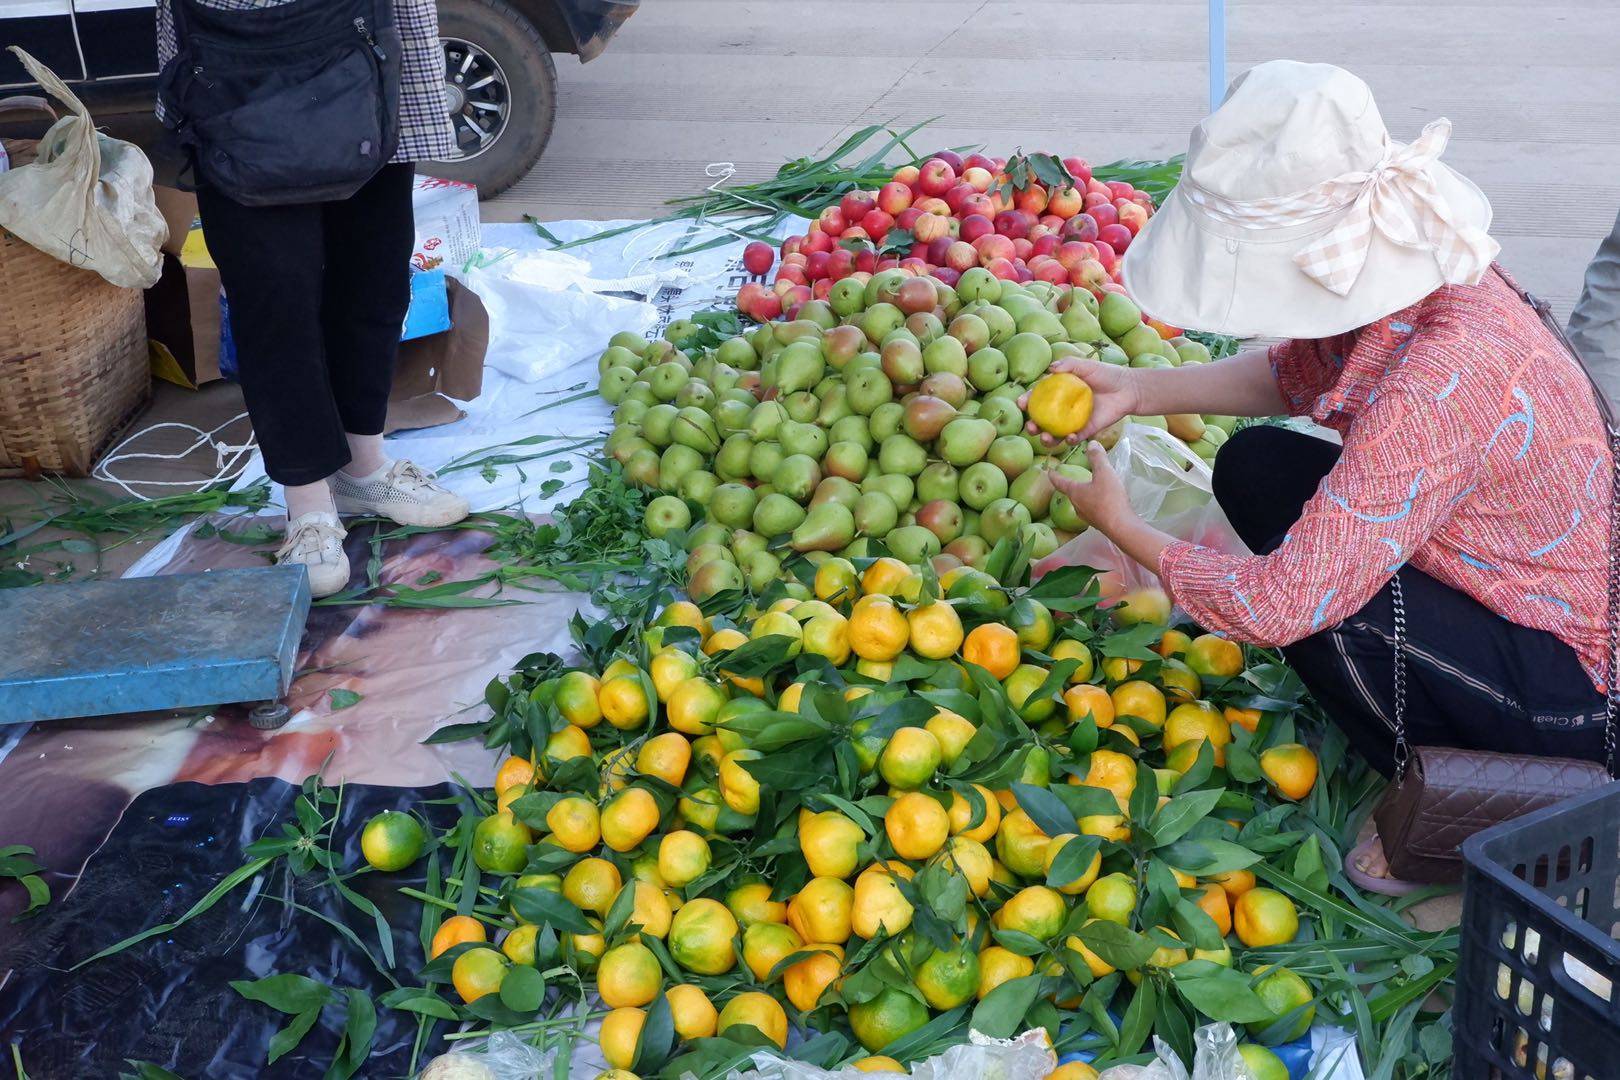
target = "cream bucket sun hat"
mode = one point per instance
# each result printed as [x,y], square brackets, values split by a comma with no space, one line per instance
[1297,215]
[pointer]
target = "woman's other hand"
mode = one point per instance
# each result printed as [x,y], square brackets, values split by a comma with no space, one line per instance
[1100,500]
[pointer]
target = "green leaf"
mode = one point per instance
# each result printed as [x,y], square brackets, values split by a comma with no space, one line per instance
[144,1070]
[1085,800]
[1138,1019]
[1242,765]
[1171,821]
[1207,856]
[288,993]
[1073,861]
[657,1036]
[1000,1015]
[1119,945]
[421,1002]
[1144,798]
[290,1036]
[619,913]
[547,908]
[343,699]
[39,894]
[359,1029]
[1045,809]
[523,989]
[213,896]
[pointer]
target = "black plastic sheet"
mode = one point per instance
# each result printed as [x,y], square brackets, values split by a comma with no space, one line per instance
[167,1000]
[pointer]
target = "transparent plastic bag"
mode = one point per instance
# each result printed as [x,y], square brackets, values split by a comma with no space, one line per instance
[502,1056]
[1027,1057]
[1170,487]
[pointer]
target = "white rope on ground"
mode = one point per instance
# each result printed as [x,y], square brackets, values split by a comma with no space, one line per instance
[229,458]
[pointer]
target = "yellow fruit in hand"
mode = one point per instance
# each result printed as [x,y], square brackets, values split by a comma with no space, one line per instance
[620,1036]
[757,1010]
[694,1014]
[935,630]
[829,841]
[878,631]
[1060,404]
[917,825]
[1264,917]
[911,758]
[628,975]
[1290,769]
[456,930]
[878,905]
[701,937]
[477,972]
[820,912]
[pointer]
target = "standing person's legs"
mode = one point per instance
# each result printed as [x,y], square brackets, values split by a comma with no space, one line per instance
[270,261]
[1594,325]
[367,288]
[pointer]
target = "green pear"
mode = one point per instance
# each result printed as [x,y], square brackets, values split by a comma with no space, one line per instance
[642,467]
[776,515]
[972,331]
[730,417]
[883,287]
[945,354]
[797,330]
[797,477]
[797,438]
[658,424]
[912,544]
[939,480]
[885,420]
[847,297]
[766,416]
[1028,357]
[875,513]
[627,448]
[988,368]
[737,353]
[982,484]
[1011,454]
[880,318]
[836,489]
[1190,351]
[1033,489]
[1086,298]
[695,428]
[615,383]
[1002,325]
[802,406]
[1002,519]
[1064,515]
[972,550]
[1040,539]
[732,505]
[853,428]
[1118,314]
[977,283]
[818,312]
[763,460]
[799,367]
[927,327]
[1017,303]
[1227,424]
[902,455]
[667,379]
[868,389]
[965,440]
[1080,324]
[834,407]
[899,488]
[732,462]
[674,463]
[941,517]
[761,569]
[1003,413]
[744,542]
[846,459]
[618,356]
[658,351]
[696,394]
[640,391]
[1109,353]
[714,578]
[698,486]
[828,527]
[902,360]
[664,515]
[1042,323]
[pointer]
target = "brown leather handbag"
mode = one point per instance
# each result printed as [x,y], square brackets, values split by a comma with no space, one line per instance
[1440,795]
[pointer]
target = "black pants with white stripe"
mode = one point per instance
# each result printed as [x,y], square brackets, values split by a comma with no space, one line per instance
[1474,679]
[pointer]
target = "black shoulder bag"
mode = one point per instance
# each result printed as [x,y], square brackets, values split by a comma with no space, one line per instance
[292,103]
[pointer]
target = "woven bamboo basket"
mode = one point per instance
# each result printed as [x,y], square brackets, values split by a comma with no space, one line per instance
[73,362]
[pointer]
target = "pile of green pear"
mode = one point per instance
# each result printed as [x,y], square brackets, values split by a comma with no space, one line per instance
[883,418]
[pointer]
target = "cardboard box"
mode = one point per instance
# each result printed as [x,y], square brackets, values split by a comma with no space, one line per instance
[185,322]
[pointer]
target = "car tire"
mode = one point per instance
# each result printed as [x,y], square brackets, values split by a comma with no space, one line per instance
[512,42]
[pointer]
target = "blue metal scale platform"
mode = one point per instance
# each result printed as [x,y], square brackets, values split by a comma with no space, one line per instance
[139,644]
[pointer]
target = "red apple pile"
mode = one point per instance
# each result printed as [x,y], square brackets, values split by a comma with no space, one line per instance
[953,213]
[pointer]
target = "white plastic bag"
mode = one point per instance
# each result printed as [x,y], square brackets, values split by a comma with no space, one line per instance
[1027,1057]
[1170,487]
[86,199]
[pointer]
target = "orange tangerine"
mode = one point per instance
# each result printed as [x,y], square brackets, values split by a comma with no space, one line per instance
[993,647]
[1090,699]
[1290,769]
[576,698]
[454,931]
[665,756]
[917,825]
[961,815]
[935,630]
[878,631]
[1140,699]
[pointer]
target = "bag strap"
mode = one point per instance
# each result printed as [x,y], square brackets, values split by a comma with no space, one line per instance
[1611,666]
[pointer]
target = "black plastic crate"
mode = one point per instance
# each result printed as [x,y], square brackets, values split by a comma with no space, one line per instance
[1538,985]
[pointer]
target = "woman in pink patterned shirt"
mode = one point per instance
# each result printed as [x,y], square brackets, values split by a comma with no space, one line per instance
[1475,468]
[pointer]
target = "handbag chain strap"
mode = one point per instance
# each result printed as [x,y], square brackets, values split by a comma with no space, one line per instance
[1611,696]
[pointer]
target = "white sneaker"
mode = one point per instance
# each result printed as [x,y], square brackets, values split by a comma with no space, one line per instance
[400,491]
[315,542]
